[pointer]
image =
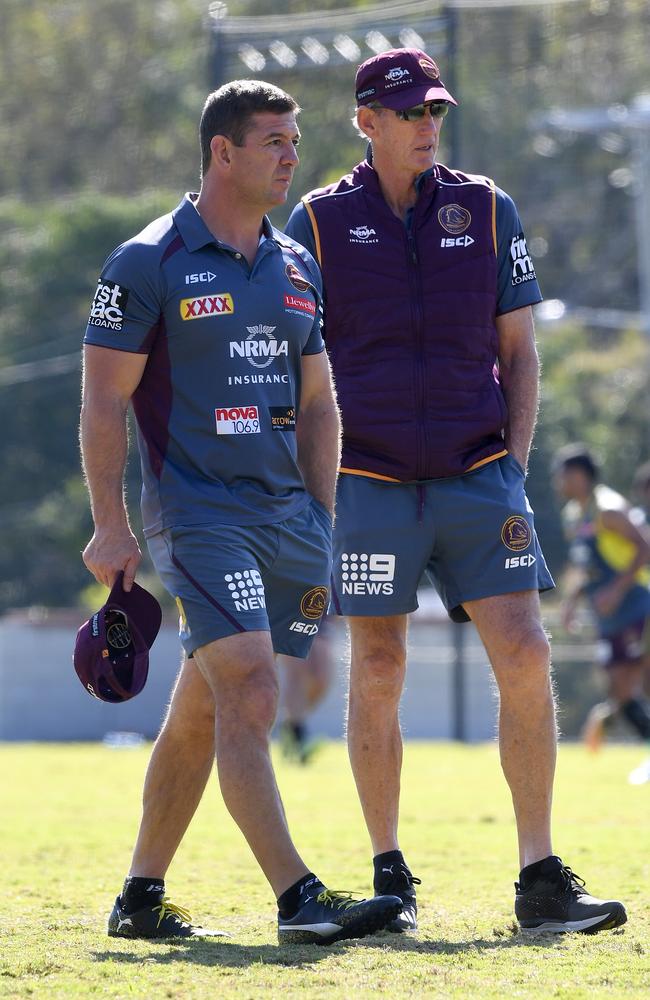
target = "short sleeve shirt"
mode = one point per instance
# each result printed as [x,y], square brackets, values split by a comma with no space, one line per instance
[217,403]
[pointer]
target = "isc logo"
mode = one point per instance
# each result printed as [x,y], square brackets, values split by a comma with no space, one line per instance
[304,628]
[237,420]
[194,279]
[456,241]
[513,562]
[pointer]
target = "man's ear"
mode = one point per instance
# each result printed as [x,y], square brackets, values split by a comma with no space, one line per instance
[220,147]
[367,121]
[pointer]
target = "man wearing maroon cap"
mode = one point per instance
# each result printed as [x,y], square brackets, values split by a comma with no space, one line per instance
[428,291]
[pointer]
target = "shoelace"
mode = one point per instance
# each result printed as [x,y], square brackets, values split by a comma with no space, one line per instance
[572,881]
[168,908]
[404,875]
[340,900]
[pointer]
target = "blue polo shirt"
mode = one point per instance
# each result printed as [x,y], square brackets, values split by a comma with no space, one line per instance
[216,406]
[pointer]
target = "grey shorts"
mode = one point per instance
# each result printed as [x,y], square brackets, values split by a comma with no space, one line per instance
[228,579]
[474,535]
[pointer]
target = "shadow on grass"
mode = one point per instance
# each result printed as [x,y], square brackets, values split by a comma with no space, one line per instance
[222,953]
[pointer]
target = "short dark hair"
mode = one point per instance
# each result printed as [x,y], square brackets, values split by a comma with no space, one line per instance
[228,111]
[576,456]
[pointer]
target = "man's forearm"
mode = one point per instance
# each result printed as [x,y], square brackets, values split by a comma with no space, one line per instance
[104,443]
[521,389]
[319,448]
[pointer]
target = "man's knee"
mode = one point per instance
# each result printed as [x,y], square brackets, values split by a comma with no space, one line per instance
[249,699]
[378,671]
[524,658]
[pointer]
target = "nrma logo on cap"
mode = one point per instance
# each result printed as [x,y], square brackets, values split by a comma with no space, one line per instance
[397,73]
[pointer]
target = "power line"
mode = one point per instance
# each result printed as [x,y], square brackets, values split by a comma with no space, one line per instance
[32,370]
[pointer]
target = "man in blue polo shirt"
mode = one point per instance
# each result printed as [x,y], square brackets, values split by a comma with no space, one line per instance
[208,322]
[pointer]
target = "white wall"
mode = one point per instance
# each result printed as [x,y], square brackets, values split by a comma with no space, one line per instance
[41,697]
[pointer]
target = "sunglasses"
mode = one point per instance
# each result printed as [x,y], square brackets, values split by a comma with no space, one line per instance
[437,109]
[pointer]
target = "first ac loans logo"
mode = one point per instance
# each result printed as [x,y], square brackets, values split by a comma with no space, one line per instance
[108,305]
[522,265]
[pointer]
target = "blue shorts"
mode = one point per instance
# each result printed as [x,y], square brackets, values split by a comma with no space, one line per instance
[227,579]
[474,535]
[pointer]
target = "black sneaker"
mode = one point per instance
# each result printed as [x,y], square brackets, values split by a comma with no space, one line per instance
[333,916]
[165,920]
[396,880]
[557,901]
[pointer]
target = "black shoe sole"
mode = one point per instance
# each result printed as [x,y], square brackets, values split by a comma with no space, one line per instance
[370,923]
[615,918]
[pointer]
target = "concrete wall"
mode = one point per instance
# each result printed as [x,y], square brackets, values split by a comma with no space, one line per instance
[41,697]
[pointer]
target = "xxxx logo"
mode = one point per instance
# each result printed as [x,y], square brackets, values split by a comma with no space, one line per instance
[207,305]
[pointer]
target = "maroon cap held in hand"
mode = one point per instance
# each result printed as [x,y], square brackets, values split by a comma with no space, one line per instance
[111,653]
[400,79]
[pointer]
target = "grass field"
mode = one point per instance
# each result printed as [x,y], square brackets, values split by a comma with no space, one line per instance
[69,817]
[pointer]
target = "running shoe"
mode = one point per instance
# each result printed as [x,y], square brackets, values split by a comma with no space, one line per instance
[641,774]
[165,920]
[557,901]
[397,880]
[333,916]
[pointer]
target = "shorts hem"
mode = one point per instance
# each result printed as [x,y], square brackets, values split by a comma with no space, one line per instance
[367,614]
[496,592]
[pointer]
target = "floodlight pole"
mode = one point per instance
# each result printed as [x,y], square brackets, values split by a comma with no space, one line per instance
[634,121]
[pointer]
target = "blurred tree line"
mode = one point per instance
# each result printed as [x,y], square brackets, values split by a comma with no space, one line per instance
[99,106]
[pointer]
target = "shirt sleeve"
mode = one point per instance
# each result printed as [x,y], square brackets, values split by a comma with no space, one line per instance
[516,279]
[299,228]
[126,309]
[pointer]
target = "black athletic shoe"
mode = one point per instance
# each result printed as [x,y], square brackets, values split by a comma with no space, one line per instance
[165,920]
[396,880]
[333,916]
[557,901]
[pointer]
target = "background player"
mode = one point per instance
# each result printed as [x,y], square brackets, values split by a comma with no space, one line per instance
[608,556]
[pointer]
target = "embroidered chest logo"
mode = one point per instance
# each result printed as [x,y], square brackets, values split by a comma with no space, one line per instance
[363,234]
[454,219]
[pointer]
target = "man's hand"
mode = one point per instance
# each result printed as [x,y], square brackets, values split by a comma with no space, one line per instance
[109,552]
[607,599]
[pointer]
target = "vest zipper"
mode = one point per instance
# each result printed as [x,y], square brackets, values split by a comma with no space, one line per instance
[418,326]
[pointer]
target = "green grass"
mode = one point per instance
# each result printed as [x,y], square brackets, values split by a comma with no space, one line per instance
[68,819]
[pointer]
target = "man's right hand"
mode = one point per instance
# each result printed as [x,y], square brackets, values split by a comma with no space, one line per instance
[109,552]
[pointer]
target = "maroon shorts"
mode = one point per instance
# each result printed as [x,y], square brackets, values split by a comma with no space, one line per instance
[631,643]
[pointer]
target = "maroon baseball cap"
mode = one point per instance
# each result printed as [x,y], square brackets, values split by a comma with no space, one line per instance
[111,653]
[400,79]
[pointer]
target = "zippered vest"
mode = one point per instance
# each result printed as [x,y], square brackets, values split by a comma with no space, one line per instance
[410,324]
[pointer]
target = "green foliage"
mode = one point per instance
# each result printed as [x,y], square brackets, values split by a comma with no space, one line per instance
[49,262]
[69,819]
[99,107]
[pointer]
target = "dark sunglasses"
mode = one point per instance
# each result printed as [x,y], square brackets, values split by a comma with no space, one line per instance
[437,109]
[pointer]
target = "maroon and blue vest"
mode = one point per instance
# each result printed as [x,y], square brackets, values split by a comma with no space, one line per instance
[410,324]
